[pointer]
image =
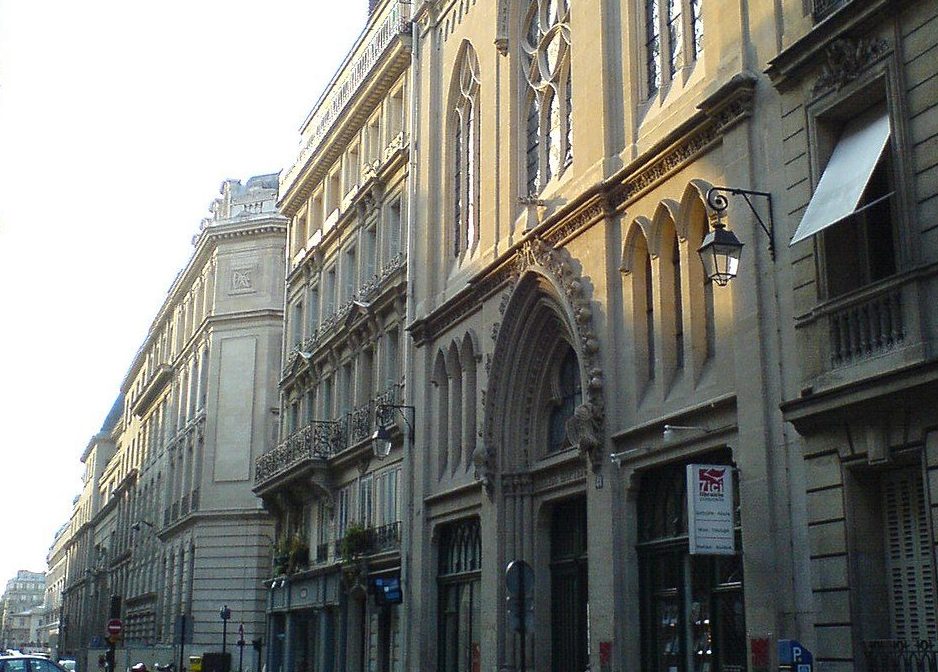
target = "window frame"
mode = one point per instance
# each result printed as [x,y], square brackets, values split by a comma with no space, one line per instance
[546,145]
[670,64]
[878,87]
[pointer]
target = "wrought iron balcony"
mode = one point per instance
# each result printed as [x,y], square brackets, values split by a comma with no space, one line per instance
[317,441]
[385,538]
[824,8]
[362,420]
[896,655]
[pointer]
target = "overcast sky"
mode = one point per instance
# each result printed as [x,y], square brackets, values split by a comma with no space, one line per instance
[118,122]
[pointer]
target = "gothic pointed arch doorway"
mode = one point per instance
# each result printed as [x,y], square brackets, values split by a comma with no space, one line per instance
[540,425]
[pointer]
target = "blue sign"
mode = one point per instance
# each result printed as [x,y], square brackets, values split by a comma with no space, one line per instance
[792,653]
[387,589]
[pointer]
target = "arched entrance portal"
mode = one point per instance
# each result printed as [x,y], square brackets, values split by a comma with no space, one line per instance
[538,417]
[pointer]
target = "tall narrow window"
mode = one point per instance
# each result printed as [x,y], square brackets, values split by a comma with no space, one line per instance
[567,395]
[546,49]
[673,39]
[534,145]
[459,583]
[678,306]
[649,317]
[675,35]
[464,122]
[652,46]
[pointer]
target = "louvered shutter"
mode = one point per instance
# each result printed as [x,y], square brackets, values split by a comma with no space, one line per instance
[909,568]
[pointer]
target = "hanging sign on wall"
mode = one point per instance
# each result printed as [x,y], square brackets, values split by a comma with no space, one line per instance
[710,525]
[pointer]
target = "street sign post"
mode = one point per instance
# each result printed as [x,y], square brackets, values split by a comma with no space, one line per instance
[114,627]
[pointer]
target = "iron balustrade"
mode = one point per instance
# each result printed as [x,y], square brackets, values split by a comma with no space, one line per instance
[386,537]
[824,8]
[316,441]
[897,655]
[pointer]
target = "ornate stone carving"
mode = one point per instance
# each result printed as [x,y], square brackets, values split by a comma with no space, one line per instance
[559,265]
[584,431]
[846,60]
[501,27]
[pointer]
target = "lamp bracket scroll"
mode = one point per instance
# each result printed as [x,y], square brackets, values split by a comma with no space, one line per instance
[717,200]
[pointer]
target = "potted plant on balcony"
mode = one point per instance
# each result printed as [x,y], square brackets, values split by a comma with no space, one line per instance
[281,556]
[355,542]
[299,552]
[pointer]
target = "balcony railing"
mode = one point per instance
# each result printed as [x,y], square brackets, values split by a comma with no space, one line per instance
[344,86]
[369,290]
[867,328]
[386,538]
[377,540]
[317,441]
[824,8]
[361,421]
[896,655]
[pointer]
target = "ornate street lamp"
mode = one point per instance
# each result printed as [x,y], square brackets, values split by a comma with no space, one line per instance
[384,415]
[720,250]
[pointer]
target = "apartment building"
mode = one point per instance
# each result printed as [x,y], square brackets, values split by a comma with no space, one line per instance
[334,489]
[177,531]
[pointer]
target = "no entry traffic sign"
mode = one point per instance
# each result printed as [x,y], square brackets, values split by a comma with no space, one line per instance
[115,627]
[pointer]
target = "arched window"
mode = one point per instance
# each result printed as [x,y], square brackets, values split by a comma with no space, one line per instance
[464,124]
[546,47]
[567,395]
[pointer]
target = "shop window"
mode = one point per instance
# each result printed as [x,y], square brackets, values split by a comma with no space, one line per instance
[692,610]
[459,584]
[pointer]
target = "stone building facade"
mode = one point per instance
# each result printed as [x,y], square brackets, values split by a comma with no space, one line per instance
[176,529]
[335,499]
[21,595]
[859,107]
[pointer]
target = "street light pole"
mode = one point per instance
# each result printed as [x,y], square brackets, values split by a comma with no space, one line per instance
[225,614]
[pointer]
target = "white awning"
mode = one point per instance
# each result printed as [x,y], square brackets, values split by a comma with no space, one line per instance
[847,173]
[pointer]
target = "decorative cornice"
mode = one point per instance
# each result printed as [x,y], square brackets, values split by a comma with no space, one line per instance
[846,61]
[728,106]
[807,52]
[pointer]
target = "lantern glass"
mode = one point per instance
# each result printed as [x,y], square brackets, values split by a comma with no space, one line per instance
[719,254]
[381,442]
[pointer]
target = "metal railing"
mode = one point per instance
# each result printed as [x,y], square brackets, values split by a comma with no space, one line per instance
[316,441]
[824,8]
[385,538]
[897,655]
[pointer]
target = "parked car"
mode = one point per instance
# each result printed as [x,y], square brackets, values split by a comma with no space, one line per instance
[23,663]
[69,664]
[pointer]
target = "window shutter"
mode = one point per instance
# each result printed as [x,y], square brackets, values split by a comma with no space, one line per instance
[909,570]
